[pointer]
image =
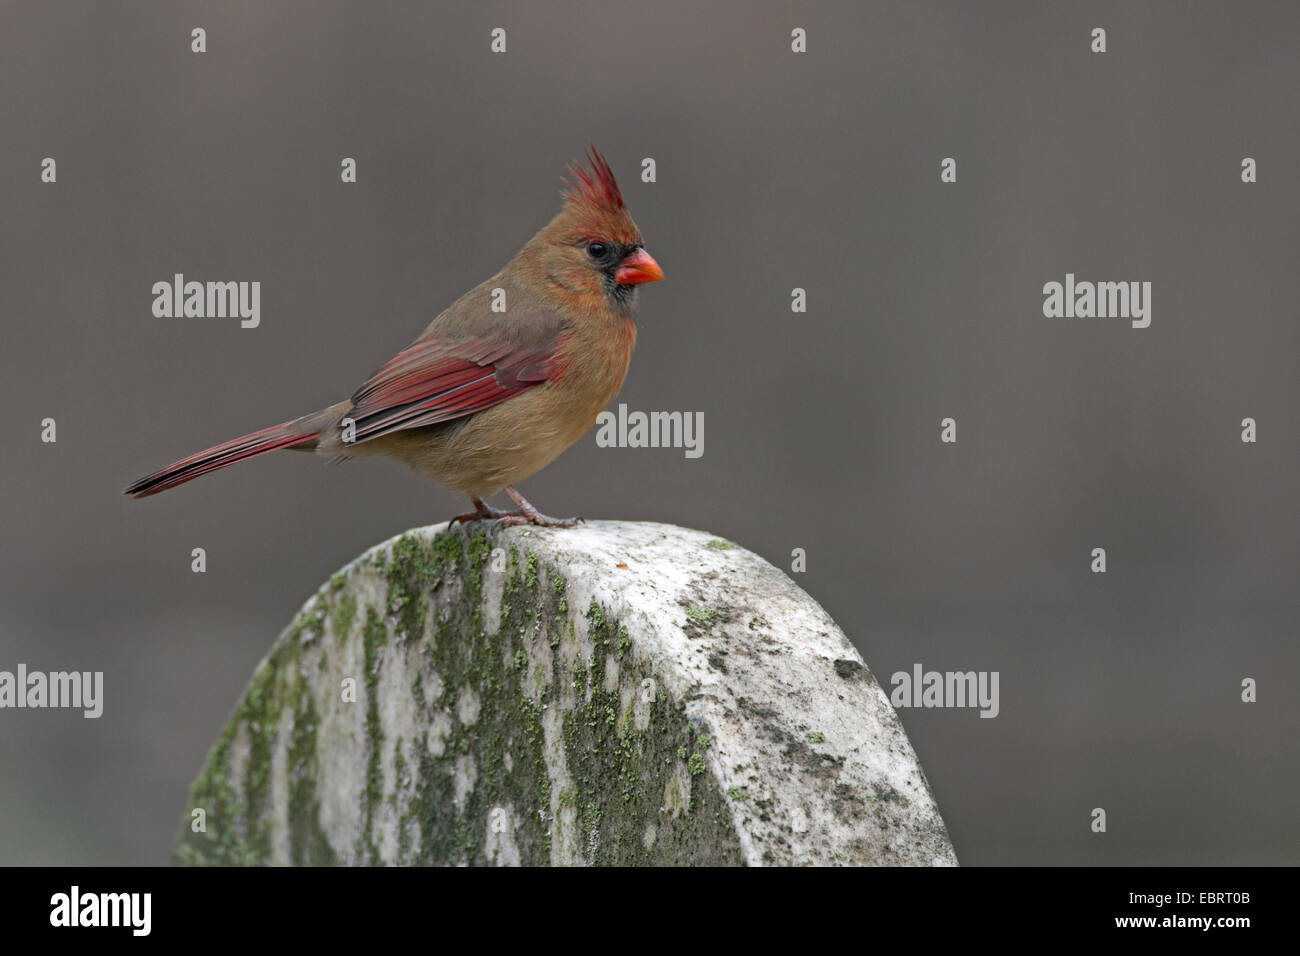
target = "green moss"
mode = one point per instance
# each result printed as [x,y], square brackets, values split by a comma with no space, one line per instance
[559,586]
[308,621]
[816,737]
[510,590]
[479,554]
[508,722]
[260,717]
[345,612]
[701,615]
[411,572]
[213,792]
[621,778]
[621,775]
[308,844]
[374,636]
[403,830]
[718,544]
[236,811]
[738,793]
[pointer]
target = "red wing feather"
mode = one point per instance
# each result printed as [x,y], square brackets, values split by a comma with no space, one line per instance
[430,383]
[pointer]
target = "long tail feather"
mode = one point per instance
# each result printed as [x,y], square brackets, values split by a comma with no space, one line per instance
[299,432]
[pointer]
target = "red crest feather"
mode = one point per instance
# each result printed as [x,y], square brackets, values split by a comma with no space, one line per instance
[595,189]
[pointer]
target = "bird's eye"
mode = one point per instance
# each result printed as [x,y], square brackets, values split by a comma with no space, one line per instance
[596,250]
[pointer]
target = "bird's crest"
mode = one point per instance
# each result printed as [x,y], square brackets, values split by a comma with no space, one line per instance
[593,205]
[596,189]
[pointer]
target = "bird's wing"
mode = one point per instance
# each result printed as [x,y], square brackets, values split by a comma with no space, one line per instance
[434,381]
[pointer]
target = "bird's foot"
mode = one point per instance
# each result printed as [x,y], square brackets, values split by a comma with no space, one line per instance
[512,518]
[481,512]
[527,514]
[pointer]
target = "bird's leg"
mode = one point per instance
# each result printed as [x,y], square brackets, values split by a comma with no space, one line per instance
[527,514]
[481,511]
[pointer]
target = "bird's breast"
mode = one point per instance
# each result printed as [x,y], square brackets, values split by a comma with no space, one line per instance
[590,368]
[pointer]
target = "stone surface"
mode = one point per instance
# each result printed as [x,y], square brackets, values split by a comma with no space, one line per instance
[617,693]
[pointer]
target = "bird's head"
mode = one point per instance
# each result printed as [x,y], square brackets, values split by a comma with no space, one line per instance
[592,252]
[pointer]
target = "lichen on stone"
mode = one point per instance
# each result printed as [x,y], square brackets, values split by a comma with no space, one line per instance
[470,745]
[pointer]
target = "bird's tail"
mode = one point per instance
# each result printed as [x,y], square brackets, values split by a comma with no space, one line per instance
[301,433]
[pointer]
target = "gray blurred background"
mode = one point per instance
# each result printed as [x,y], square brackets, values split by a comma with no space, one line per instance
[775,170]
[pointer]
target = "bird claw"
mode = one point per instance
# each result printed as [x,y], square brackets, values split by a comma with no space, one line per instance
[483,512]
[514,518]
[526,514]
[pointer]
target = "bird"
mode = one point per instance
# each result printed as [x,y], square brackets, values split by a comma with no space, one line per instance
[500,383]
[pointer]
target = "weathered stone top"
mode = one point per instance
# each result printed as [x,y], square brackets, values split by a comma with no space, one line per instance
[619,692]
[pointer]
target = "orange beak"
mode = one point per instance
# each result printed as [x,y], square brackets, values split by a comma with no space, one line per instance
[638,267]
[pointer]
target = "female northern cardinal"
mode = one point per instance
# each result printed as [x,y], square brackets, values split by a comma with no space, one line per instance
[485,398]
